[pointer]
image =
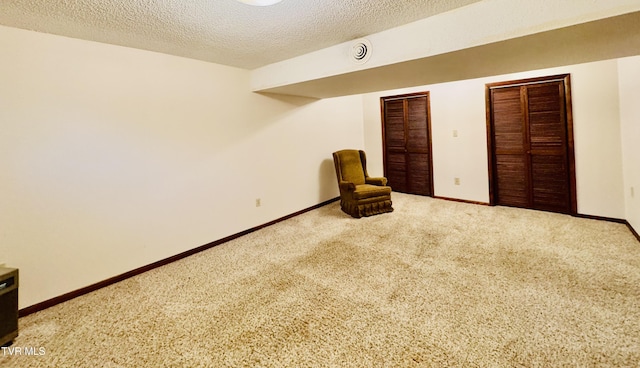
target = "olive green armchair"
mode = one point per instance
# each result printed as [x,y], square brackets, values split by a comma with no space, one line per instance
[360,194]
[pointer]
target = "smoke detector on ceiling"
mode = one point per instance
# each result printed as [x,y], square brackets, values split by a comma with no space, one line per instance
[360,51]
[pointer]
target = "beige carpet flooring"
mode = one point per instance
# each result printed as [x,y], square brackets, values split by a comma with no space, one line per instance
[434,284]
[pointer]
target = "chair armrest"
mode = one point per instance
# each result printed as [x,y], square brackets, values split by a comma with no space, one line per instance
[376,181]
[346,185]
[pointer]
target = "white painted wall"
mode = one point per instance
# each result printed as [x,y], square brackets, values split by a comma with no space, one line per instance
[461,106]
[112,158]
[629,71]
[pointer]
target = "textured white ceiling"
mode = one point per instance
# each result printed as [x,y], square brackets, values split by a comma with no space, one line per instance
[220,31]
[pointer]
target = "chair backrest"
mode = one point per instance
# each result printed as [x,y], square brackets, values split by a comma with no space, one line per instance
[349,166]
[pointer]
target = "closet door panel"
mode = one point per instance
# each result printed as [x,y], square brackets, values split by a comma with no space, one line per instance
[546,117]
[395,138]
[511,180]
[511,160]
[394,125]
[508,121]
[550,183]
[418,153]
[417,130]
[418,170]
[547,132]
[397,171]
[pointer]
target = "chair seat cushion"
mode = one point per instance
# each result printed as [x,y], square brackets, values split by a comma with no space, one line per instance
[363,191]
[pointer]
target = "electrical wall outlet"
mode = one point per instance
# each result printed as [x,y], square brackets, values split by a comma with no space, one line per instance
[455,133]
[456,181]
[632,193]
[258,202]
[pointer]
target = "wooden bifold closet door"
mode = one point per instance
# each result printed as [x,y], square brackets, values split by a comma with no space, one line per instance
[406,135]
[531,144]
